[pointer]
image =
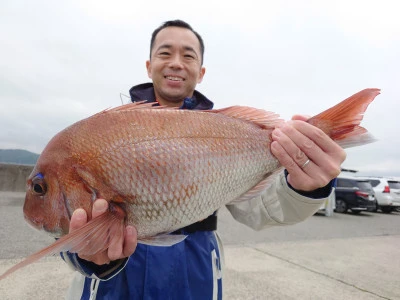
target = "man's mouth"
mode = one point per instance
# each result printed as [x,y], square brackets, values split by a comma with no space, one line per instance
[174,78]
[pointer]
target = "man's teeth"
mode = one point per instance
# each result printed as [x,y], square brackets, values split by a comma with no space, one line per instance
[174,78]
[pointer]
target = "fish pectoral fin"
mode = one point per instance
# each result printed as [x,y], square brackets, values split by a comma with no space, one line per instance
[163,240]
[93,237]
[259,188]
[96,235]
[264,119]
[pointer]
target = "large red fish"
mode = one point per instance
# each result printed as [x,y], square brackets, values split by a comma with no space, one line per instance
[161,169]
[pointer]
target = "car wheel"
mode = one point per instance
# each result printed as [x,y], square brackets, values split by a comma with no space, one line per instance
[355,212]
[341,206]
[386,209]
[375,209]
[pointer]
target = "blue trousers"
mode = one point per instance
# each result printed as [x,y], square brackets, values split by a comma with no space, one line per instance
[188,270]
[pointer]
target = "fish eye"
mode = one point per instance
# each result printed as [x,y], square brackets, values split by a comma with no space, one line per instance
[38,185]
[39,188]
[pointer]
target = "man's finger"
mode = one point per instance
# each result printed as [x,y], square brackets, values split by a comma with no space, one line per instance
[100,206]
[301,117]
[116,243]
[130,241]
[78,219]
[98,259]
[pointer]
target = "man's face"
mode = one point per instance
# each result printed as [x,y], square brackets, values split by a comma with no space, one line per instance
[175,65]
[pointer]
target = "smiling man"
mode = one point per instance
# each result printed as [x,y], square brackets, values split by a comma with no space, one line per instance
[175,65]
[192,269]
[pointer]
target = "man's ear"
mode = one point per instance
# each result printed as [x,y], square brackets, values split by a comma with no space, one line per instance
[201,75]
[148,67]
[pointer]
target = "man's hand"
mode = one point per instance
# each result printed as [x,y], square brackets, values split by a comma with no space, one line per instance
[120,247]
[295,142]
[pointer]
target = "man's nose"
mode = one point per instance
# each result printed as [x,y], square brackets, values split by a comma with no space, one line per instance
[176,62]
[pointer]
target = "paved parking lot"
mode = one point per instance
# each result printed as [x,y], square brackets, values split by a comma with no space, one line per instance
[340,257]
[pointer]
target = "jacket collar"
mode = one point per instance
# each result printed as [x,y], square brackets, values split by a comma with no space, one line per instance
[145,91]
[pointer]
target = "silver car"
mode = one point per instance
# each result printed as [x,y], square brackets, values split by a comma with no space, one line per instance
[387,193]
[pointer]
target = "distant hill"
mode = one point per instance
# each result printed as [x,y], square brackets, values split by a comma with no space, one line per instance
[18,156]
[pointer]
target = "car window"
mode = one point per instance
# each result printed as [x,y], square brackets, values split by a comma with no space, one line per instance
[394,185]
[344,183]
[374,182]
[364,185]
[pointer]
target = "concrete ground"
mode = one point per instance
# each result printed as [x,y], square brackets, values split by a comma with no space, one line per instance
[330,269]
[339,257]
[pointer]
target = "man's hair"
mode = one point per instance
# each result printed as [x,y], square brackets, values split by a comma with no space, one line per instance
[177,23]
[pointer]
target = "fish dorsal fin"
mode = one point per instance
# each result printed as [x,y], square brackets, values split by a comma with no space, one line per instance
[260,117]
[90,239]
[135,106]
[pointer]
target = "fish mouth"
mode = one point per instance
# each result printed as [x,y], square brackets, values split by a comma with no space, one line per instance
[57,233]
[38,225]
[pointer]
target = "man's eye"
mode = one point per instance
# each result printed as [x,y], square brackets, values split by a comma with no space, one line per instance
[164,53]
[189,56]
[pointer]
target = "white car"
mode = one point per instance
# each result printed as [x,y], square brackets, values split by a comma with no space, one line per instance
[387,193]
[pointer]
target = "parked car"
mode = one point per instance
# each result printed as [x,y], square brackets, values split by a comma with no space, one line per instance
[355,194]
[387,193]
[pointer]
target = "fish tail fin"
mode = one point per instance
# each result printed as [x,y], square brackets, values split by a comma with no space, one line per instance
[90,239]
[341,122]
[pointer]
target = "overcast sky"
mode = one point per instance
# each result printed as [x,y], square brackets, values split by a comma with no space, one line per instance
[63,61]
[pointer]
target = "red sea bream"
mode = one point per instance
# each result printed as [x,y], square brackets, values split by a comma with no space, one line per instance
[161,168]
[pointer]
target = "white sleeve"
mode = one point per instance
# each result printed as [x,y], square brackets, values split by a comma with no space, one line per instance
[277,205]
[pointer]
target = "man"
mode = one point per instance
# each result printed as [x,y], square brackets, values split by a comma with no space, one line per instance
[191,269]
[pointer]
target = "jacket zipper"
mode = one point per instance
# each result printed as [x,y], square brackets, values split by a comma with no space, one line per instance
[94,285]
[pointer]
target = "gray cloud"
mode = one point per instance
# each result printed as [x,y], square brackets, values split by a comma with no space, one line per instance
[61,62]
